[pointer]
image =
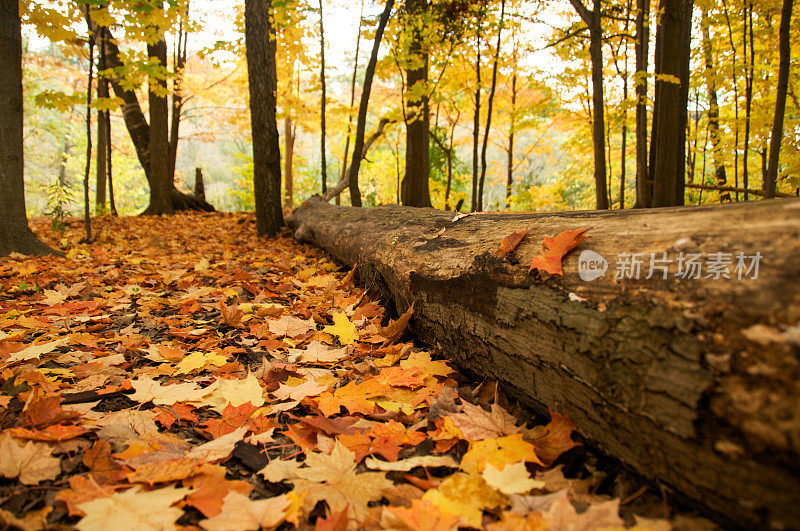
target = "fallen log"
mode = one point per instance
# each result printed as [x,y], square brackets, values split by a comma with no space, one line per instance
[693,382]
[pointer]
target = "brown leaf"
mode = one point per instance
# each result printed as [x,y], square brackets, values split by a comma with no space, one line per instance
[511,242]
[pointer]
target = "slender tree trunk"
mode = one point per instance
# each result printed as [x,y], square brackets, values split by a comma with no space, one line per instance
[713,107]
[747,25]
[15,235]
[177,92]
[288,162]
[102,136]
[361,124]
[352,98]
[668,144]
[262,74]
[593,19]
[323,101]
[511,131]
[735,84]
[87,217]
[644,187]
[490,105]
[476,120]
[414,190]
[109,166]
[771,176]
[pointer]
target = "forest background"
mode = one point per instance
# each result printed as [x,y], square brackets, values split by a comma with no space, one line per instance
[539,147]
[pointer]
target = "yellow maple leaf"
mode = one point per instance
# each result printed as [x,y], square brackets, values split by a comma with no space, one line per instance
[343,328]
[199,361]
[465,495]
[234,392]
[498,452]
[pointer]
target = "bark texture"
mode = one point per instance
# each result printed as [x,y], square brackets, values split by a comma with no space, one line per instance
[161,181]
[668,144]
[415,186]
[261,70]
[15,235]
[771,177]
[663,374]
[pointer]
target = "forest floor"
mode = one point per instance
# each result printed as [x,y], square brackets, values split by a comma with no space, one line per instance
[182,372]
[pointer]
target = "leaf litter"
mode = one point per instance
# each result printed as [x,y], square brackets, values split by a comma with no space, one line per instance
[181,372]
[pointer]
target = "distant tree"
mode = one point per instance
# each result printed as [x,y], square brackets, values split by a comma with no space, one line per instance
[15,235]
[361,123]
[323,100]
[262,75]
[593,19]
[771,177]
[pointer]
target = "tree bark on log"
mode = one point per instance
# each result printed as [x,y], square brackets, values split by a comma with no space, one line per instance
[671,376]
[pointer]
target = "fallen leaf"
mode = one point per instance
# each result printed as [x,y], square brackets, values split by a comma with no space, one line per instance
[511,242]
[290,326]
[219,449]
[133,509]
[34,352]
[31,463]
[404,465]
[465,496]
[343,328]
[498,453]
[241,513]
[554,250]
[477,424]
[421,516]
[512,479]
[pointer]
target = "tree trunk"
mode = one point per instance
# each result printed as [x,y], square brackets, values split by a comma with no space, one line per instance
[288,163]
[489,106]
[15,235]
[352,99]
[476,118]
[713,107]
[644,187]
[670,112]
[747,25]
[87,217]
[138,128]
[361,123]
[771,177]
[593,19]
[199,184]
[261,69]
[511,131]
[414,190]
[102,135]
[667,375]
[177,92]
[109,173]
[161,182]
[323,103]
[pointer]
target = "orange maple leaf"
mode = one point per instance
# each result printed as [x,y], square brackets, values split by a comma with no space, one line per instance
[554,250]
[55,433]
[511,242]
[232,419]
